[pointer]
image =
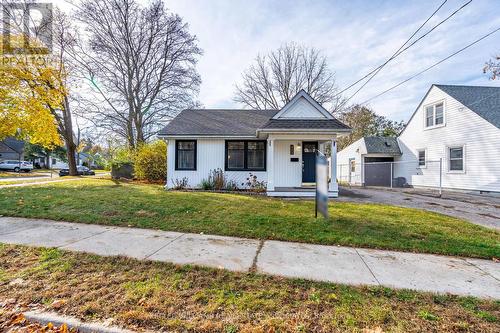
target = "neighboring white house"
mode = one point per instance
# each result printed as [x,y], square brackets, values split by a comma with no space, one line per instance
[55,162]
[454,132]
[278,146]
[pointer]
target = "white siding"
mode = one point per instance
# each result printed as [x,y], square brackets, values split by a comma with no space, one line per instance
[480,138]
[302,109]
[210,156]
[287,173]
[354,150]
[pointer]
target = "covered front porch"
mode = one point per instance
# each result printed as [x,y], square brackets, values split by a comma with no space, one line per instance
[292,163]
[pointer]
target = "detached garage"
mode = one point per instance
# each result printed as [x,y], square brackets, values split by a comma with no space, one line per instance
[367,161]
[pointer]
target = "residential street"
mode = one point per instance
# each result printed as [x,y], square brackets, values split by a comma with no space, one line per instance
[481,210]
[354,266]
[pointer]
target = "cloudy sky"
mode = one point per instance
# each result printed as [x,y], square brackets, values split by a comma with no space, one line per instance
[354,35]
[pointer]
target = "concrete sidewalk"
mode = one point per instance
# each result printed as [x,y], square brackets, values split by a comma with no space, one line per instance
[424,272]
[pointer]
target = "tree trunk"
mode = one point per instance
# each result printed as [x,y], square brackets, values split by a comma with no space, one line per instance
[130,135]
[68,138]
[139,133]
[71,152]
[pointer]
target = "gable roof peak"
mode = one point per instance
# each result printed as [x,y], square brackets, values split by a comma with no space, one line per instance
[314,104]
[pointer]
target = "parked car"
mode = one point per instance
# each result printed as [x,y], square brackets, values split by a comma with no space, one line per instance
[16,165]
[80,171]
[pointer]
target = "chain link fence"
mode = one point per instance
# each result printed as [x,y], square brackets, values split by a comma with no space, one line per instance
[392,174]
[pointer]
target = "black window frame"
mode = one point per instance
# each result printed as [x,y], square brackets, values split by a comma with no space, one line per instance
[420,160]
[177,155]
[245,156]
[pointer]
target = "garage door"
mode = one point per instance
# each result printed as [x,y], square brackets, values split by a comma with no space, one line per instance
[378,171]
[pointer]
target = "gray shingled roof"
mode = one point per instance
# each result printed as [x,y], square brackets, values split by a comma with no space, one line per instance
[485,101]
[382,145]
[238,123]
[11,144]
[327,124]
[218,122]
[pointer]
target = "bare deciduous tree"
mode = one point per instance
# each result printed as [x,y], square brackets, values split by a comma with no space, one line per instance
[64,41]
[493,67]
[275,78]
[141,62]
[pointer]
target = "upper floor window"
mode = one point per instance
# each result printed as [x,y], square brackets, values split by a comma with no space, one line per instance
[434,115]
[185,155]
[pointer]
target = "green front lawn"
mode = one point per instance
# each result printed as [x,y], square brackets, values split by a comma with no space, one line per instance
[150,206]
[155,296]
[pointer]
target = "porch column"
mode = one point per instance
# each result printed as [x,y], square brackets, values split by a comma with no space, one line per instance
[270,164]
[333,187]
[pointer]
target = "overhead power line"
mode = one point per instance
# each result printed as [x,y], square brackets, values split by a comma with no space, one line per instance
[399,52]
[432,66]
[377,70]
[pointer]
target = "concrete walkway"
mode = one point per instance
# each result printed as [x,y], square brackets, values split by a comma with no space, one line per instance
[10,179]
[440,274]
[54,180]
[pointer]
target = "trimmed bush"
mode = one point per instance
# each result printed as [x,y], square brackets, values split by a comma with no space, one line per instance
[122,170]
[122,165]
[150,161]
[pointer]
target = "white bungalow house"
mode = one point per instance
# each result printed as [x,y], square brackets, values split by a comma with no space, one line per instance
[454,134]
[277,146]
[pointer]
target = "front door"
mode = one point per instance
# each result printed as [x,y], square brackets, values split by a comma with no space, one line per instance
[309,161]
[352,170]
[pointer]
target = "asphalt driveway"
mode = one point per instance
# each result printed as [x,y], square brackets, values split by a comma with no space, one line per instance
[477,209]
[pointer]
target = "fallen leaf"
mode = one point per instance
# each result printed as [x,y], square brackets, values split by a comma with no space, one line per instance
[58,304]
[373,330]
[18,319]
[63,328]
[18,282]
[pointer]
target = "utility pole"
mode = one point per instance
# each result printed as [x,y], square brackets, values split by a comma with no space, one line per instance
[440,176]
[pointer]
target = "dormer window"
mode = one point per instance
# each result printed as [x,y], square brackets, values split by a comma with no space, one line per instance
[434,115]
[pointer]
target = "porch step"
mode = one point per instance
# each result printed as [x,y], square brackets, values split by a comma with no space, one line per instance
[298,192]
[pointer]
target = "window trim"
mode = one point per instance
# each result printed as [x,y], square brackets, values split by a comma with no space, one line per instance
[425,158]
[177,155]
[352,162]
[448,159]
[433,104]
[245,156]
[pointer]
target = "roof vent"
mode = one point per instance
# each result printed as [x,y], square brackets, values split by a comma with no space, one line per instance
[387,144]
